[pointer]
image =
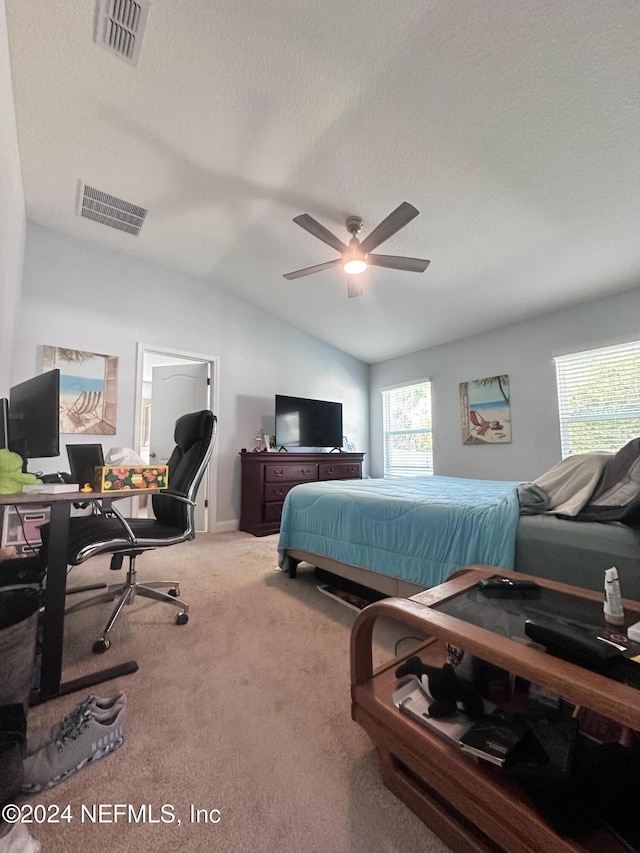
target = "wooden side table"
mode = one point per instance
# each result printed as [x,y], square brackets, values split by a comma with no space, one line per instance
[471,805]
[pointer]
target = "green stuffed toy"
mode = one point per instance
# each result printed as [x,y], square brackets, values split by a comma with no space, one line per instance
[12,478]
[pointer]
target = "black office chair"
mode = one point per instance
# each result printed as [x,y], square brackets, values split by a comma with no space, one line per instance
[109,532]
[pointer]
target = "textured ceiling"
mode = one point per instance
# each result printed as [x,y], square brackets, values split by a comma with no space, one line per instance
[512,126]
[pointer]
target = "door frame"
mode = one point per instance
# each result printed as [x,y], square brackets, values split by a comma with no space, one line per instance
[211,473]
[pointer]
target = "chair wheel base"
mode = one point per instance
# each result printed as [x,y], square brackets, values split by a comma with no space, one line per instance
[174,592]
[182,618]
[101,646]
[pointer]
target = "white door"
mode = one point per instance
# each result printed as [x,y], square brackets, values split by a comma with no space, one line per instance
[177,389]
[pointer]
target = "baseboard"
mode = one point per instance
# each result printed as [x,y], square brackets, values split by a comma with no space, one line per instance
[226,526]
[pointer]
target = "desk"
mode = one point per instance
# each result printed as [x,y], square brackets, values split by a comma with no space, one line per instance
[55,592]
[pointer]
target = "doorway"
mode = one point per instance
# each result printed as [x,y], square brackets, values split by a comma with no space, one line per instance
[169,384]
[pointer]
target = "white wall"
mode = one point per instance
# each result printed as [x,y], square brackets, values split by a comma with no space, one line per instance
[82,296]
[525,352]
[12,212]
[79,295]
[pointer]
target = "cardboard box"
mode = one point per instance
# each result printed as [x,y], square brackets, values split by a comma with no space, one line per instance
[115,478]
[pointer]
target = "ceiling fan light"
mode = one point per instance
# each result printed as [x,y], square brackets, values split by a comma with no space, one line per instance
[354,266]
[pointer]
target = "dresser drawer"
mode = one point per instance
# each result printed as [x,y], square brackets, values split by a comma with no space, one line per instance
[267,479]
[273,512]
[340,470]
[277,491]
[298,472]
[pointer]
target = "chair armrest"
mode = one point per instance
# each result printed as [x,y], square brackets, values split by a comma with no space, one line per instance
[115,512]
[119,496]
[169,494]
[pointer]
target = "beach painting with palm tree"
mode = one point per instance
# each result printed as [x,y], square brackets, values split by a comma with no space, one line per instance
[485,411]
[88,389]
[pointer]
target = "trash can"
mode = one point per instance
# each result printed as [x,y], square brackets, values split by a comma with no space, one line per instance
[22,571]
[18,631]
[13,736]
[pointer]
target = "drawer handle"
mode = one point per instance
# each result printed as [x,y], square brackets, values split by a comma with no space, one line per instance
[351,469]
[306,472]
[278,492]
[330,470]
[278,472]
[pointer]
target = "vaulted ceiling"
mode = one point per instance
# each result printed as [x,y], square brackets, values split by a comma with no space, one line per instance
[512,126]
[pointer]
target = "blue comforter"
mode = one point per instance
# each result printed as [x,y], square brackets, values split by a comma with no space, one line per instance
[419,529]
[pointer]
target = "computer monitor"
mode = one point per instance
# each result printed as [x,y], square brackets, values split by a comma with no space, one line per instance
[34,416]
[83,459]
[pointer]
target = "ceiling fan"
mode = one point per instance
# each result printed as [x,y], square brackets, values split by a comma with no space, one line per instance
[357,256]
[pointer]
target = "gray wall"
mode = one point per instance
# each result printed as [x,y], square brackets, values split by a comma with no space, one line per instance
[525,352]
[12,212]
[79,295]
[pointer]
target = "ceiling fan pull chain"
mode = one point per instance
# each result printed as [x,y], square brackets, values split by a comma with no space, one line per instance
[354,286]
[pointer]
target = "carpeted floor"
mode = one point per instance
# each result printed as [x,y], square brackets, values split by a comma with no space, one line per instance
[244,710]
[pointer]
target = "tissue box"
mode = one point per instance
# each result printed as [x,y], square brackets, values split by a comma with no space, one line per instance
[112,478]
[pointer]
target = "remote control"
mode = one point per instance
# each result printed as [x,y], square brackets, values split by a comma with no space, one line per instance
[633,632]
[506,587]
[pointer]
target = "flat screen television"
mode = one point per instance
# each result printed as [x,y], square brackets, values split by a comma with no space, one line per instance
[34,416]
[301,422]
[4,423]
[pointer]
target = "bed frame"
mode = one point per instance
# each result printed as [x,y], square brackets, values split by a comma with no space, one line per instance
[386,584]
[562,550]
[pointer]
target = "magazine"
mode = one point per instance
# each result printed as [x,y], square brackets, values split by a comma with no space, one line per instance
[412,699]
[493,737]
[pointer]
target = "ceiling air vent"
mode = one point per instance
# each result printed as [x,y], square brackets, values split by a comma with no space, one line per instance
[109,210]
[120,26]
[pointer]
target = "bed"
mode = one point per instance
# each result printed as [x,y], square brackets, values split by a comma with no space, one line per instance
[398,536]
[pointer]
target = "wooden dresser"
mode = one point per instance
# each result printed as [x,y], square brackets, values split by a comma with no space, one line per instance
[267,477]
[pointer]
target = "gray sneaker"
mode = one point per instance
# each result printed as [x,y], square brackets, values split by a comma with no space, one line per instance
[18,840]
[100,707]
[85,740]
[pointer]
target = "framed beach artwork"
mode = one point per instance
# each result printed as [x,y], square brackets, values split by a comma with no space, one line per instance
[485,412]
[88,389]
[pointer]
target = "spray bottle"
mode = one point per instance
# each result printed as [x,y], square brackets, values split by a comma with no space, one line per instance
[613,610]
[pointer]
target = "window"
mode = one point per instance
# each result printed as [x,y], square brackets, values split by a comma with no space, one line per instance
[599,398]
[408,446]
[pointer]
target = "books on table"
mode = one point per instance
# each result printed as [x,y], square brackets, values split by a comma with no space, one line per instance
[50,488]
[536,747]
[412,699]
[490,737]
[493,738]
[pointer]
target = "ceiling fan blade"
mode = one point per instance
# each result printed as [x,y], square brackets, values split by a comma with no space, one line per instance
[401,216]
[311,270]
[313,227]
[397,262]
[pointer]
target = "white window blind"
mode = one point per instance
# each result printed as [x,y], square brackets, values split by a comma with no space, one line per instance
[408,446]
[599,398]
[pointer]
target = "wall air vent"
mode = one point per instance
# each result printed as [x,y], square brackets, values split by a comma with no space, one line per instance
[109,210]
[120,26]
